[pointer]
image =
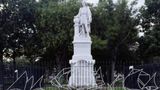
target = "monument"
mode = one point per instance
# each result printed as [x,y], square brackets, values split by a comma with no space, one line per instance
[82,63]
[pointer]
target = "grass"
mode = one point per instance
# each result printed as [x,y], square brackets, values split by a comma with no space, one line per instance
[53,88]
[118,88]
[50,88]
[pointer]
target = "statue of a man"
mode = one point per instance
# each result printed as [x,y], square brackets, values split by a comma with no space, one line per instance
[85,18]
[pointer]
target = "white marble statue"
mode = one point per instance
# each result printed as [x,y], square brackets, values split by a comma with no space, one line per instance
[84,18]
[82,63]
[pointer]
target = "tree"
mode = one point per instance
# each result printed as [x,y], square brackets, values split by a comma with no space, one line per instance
[16,26]
[150,22]
[115,25]
[55,22]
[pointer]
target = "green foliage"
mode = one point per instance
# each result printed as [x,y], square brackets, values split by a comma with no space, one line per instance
[55,21]
[150,22]
[55,25]
[98,43]
[18,30]
[114,24]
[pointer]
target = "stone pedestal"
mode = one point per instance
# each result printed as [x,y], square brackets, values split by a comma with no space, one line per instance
[82,64]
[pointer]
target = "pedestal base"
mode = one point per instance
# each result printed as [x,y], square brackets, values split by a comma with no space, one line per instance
[82,74]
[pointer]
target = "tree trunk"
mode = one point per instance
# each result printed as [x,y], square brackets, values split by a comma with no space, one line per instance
[14,66]
[105,70]
[58,62]
[112,70]
[61,59]
[1,71]
[113,63]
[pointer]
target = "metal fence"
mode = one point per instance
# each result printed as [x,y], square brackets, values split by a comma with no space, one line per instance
[140,77]
[143,77]
[22,77]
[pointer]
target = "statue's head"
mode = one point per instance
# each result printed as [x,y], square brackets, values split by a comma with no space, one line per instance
[84,3]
